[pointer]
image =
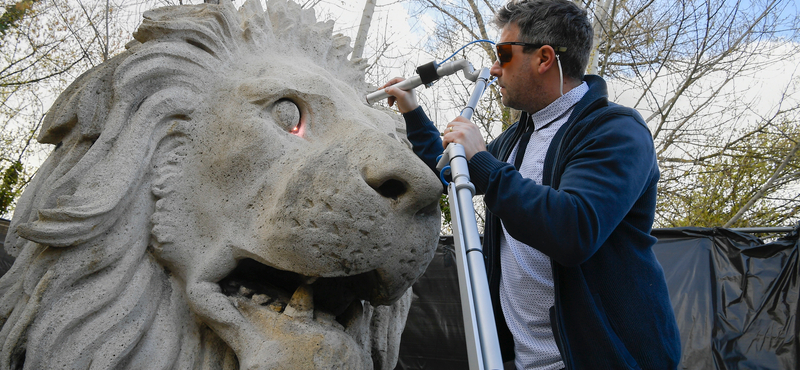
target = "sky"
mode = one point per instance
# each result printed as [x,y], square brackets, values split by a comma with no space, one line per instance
[763,90]
[408,34]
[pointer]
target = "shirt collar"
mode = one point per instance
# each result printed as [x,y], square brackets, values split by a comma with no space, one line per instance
[558,108]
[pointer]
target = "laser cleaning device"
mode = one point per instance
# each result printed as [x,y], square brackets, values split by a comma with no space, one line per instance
[483,347]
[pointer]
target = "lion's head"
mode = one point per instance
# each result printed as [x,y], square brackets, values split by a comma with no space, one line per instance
[220,196]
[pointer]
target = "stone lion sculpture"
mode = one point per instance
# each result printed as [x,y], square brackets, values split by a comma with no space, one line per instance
[219,197]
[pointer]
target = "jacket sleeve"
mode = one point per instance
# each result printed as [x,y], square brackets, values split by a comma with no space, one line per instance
[604,173]
[425,139]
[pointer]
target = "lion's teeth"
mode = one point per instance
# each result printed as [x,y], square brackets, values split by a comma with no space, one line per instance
[301,306]
[310,279]
[260,299]
[352,316]
[245,291]
[355,322]
[277,306]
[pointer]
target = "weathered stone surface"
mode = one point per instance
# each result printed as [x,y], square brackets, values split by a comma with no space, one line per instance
[219,197]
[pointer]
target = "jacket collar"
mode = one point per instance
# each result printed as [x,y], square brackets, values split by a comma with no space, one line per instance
[597,95]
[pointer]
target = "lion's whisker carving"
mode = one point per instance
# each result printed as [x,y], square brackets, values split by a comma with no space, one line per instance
[219,197]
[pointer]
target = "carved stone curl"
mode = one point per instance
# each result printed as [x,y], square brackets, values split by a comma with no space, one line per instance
[219,197]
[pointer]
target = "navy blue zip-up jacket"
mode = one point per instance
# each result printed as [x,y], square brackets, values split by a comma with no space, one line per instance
[592,216]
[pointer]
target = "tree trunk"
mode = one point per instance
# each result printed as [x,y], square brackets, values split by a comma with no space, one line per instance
[363,30]
[599,26]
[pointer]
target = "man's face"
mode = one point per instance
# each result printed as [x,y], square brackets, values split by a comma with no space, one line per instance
[519,83]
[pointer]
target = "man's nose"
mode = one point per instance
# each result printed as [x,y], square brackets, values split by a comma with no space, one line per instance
[496,69]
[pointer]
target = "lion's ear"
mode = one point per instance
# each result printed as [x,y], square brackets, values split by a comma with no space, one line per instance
[86,101]
[102,159]
[73,123]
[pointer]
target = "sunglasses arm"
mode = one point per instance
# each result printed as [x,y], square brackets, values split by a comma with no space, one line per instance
[443,70]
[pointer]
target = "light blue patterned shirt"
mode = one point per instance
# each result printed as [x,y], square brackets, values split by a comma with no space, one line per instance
[526,284]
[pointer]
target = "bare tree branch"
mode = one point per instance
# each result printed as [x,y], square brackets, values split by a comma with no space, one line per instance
[764,187]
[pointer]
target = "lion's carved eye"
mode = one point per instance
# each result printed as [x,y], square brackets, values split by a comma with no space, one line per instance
[287,115]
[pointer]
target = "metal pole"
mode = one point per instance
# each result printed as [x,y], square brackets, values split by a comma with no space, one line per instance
[482,343]
[443,70]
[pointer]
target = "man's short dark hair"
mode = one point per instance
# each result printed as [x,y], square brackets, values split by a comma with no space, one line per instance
[555,23]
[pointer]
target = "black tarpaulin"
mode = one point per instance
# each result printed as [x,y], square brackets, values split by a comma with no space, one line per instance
[735,300]
[434,333]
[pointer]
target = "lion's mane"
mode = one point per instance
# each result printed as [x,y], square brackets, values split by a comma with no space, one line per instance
[71,236]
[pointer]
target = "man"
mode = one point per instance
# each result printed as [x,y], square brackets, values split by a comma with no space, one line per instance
[570,192]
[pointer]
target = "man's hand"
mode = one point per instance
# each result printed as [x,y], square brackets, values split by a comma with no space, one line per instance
[466,133]
[406,100]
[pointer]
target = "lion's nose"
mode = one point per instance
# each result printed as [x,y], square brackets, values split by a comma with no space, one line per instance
[408,185]
[390,188]
[396,173]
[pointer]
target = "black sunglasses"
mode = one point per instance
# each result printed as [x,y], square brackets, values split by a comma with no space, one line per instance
[504,51]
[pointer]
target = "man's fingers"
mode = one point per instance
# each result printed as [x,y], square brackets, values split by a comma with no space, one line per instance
[405,101]
[394,91]
[393,82]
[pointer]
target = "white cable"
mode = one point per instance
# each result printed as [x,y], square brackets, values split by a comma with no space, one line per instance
[560,75]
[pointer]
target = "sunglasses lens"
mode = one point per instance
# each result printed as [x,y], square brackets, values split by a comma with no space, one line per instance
[504,53]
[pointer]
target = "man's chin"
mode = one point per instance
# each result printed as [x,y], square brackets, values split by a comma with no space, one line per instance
[504,97]
[507,102]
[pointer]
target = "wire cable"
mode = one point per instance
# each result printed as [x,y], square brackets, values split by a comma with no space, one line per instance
[462,48]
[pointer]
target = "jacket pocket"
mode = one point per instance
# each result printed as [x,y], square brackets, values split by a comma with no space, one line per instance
[620,350]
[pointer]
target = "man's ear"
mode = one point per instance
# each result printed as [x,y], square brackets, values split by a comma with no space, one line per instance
[547,58]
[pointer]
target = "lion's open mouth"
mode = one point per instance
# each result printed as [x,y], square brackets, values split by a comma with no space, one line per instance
[336,300]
